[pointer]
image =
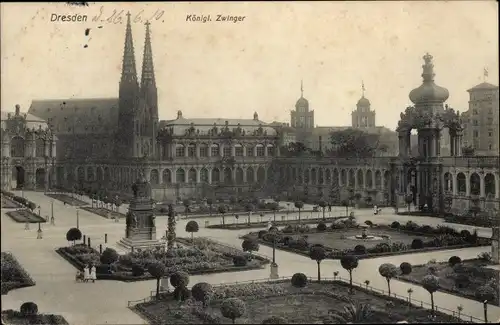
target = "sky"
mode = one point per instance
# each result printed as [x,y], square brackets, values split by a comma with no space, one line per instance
[231,70]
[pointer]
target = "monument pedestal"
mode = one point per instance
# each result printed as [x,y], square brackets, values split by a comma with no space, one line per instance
[140,238]
[274,271]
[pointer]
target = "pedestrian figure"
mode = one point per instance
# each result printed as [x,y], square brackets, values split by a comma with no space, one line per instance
[375,210]
[46,218]
[39,233]
[27,226]
[64,203]
[86,273]
[52,221]
[93,275]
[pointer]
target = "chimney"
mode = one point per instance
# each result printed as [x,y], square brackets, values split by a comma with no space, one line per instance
[320,144]
[18,108]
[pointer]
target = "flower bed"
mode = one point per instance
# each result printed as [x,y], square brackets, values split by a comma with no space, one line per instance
[105,213]
[14,276]
[205,257]
[338,239]
[314,303]
[67,199]
[14,317]
[8,203]
[479,221]
[264,224]
[25,215]
[463,280]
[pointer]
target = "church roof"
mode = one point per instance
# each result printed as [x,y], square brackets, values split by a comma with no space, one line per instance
[483,86]
[80,116]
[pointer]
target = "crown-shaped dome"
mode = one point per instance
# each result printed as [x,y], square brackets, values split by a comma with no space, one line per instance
[302,103]
[428,91]
[363,102]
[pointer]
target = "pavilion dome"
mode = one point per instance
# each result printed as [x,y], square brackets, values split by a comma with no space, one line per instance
[428,90]
[363,102]
[302,103]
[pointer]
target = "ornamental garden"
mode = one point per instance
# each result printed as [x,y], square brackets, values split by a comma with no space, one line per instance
[14,276]
[24,209]
[345,236]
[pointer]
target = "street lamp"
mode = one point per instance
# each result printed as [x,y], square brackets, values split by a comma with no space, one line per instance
[39,232]
[77,218]
[52,208]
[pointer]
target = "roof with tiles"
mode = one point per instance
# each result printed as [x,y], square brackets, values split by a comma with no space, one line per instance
[205,125]
[484,86]
[78,116]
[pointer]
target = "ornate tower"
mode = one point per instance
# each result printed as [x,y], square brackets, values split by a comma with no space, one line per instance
[140,231]
[128,100]
[363,116]
[149,98]
[302,119]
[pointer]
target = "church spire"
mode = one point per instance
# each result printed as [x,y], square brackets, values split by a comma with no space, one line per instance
[363,88]
[148,74]
[301,88]
[129,73]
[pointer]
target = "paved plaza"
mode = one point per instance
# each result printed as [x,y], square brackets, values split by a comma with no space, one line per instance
[105,302]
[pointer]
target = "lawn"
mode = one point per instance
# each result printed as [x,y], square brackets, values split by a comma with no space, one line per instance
[67,199]
[7,203]
[25,215]
[14,276]
[16,318]
[205,257]
[311,304]
[105,213]
[461,281]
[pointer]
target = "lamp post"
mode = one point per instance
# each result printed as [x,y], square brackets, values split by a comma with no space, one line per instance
[39,232]
[52,208]
[77,219]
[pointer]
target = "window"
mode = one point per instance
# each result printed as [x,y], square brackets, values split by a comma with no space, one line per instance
[490,146]
[476,133]
[227,151]
[475,123]
[260,151]
[203,151]
[238,151]
[180,151]
[490,134]
[270,151]
[214,150]
[249,151]
[192,150]
[474,111]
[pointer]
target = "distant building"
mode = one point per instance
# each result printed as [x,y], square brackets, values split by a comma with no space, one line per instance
[481,120]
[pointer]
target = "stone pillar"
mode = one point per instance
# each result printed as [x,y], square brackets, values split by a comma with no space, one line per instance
[481,186]
[209,176]
[454,184]
[209,153]
[160,176]
[265,150]
[54,146]
[497,186]
[197,150]
[221,150]
[467,184]
[255,151]
[245,174]
[233,151]
[46,147]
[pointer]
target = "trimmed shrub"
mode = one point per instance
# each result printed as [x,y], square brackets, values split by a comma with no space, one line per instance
[137,270]
[73,234]
[454,260]
[395,225]
[417,243]
[405,268]
[232,308]
[109,256]
[239,260]
[360,250]
[465,234]
[181,293]
[369,223]
[299,280]
[321,226]
[179,279]
[29,309]
[202,292]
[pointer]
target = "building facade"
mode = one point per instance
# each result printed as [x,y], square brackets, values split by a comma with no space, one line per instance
[28,152]
[481,119]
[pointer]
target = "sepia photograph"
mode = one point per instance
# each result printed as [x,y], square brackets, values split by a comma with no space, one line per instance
[288,162]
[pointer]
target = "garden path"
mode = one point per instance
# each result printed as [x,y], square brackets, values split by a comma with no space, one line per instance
[105,301]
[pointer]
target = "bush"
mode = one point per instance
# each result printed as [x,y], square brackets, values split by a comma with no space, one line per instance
[202,292]
[109,256]
[486,292]
[137,270]
[321,226]
[405,268]
[417,243]
[239,260]
[29,309]
[395,225]
[181,293]
[465,234]
[369,223]
[299,280]
[360,250]
[232,308]
[179,279]
[73,234]
[262,233]
[454,260]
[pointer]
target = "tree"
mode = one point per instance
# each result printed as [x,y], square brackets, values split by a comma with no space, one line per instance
[275,207]
[388,271]
[405,268]
[323,205]
[349,263]
[73,235]
[232,308]
[222,210]
[318,254]
[109,256]
[157,271]
[409,200]
[431,284]
[345,203]
[299,205]
[210,202]
[354,143]
[179,279]
[202,292]
[485,294]
[250,245]
[192,227]
[187,204]
[171,227]
[28,309]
